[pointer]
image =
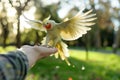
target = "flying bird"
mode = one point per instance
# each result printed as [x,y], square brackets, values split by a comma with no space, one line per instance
[70,29]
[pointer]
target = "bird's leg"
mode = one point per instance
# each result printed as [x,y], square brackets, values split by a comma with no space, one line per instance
[55,42]
[47,40]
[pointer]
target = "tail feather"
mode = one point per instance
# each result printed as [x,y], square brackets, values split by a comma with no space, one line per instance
[65,49]
[62,51]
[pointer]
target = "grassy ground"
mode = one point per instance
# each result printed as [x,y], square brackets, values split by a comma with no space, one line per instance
[100,66]
[9,48]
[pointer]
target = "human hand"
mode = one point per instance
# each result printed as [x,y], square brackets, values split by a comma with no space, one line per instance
[35,53]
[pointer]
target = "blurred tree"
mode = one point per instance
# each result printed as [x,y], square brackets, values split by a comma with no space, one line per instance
[4,23]
[19,5]
[105,10]
[112,20]
[44,11]
[35,39]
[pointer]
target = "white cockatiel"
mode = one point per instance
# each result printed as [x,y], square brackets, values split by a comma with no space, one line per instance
[69,30]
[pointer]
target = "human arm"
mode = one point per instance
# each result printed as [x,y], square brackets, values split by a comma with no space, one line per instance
[14,65]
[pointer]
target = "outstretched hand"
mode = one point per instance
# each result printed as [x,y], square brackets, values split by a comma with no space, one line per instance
[35,53]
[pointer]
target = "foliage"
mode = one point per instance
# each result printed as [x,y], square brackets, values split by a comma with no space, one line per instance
[104,12]
[31,36]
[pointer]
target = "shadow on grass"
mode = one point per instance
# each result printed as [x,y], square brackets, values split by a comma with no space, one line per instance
[55,69]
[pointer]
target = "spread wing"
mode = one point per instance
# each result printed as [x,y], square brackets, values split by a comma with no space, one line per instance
[36,24]
[77,26]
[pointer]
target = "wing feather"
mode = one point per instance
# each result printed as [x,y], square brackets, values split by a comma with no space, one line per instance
[75,27]
[36,24]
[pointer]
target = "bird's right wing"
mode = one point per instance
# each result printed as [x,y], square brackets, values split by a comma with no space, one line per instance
[75,27]
[35,24]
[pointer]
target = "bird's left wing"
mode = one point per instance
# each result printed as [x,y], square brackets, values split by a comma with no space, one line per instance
[77,26]
[36,24]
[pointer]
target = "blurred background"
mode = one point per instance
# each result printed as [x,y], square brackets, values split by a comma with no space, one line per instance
[95,56]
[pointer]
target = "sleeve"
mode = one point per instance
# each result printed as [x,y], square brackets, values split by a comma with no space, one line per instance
[13,66]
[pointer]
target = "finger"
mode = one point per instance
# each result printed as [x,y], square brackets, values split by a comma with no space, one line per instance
[47,46]
[46,50]
[49,52]
[49,49]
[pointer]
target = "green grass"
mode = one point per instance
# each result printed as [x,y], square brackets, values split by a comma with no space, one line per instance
[100,66]
[8,48]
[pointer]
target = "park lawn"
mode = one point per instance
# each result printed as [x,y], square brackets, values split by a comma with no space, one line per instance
[9,48]
[99,66]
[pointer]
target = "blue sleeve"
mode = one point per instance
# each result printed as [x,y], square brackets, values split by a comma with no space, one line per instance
[13,66]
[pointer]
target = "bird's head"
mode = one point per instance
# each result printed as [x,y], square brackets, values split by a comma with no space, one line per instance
[49,24]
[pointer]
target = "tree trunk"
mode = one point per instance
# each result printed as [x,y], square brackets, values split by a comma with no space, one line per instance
[5,35]
[116,41]
[18,36]
[87,45]
[97,39]
[5,30]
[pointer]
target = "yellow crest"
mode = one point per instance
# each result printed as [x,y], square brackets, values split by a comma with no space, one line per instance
[46,19]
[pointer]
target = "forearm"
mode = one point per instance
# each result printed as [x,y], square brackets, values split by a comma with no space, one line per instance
[13,66]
